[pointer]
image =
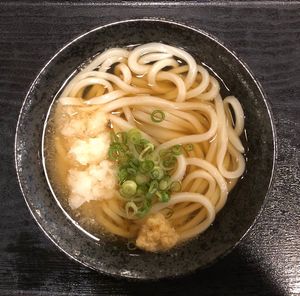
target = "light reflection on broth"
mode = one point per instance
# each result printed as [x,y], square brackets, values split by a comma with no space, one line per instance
[174,154]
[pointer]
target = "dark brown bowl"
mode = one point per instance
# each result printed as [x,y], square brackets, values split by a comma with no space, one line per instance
[245,202]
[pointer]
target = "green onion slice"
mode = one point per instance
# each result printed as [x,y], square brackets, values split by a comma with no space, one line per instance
[189,147]
[131,171]
[122,175]
[146,166]
[153,187]
[128,188]
[142,190]
[134,163]
[134,136]
[149,147]
[144,209]
[176,150]
[157,173]
[141,179]
[157,116]
[163,196]
[175,186]
[131,209]
[169,162]
[164,184]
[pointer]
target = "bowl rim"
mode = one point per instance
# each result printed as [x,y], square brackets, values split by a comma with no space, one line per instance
[235,57]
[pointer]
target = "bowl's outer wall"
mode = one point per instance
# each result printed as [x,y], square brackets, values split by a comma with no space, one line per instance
[244,202]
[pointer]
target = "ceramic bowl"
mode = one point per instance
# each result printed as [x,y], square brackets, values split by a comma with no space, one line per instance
[245,202]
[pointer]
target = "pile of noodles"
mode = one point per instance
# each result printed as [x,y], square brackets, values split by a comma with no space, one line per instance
[128,85]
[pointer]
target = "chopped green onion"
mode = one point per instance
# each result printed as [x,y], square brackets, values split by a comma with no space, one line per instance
[134,136]
[116,150]
[176,150]
[122,175]
[146,166]
[132,149]
[141,179]
[128,188]
[138,148]
[123,147]
[169,162]
[144,142]
[157,116]
[138,199]
[189,147]
[149,147]
[144,209]
[163,152]
[175,186]
[113,153]
[134,163]
[121,137]
[130,209]
[154,157]
[157,173]
[142,190]
[123,157]
[163,196]
[143,174]
[131,171]
[153,187]
[164,184]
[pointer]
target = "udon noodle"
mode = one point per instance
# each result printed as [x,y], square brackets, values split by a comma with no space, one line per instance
[145,146]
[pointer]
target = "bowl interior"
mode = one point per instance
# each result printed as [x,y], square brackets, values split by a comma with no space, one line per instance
[244,202]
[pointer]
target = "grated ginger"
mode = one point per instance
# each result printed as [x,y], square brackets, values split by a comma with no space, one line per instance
[156,234]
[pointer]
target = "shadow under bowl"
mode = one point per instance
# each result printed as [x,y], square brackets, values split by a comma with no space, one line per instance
[244,203]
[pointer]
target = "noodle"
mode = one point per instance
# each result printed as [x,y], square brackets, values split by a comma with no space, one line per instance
[164,108]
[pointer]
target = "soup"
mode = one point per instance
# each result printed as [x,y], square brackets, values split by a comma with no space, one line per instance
[141,145]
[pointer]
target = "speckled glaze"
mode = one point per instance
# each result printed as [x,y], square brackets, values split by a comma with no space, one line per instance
[245,201]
